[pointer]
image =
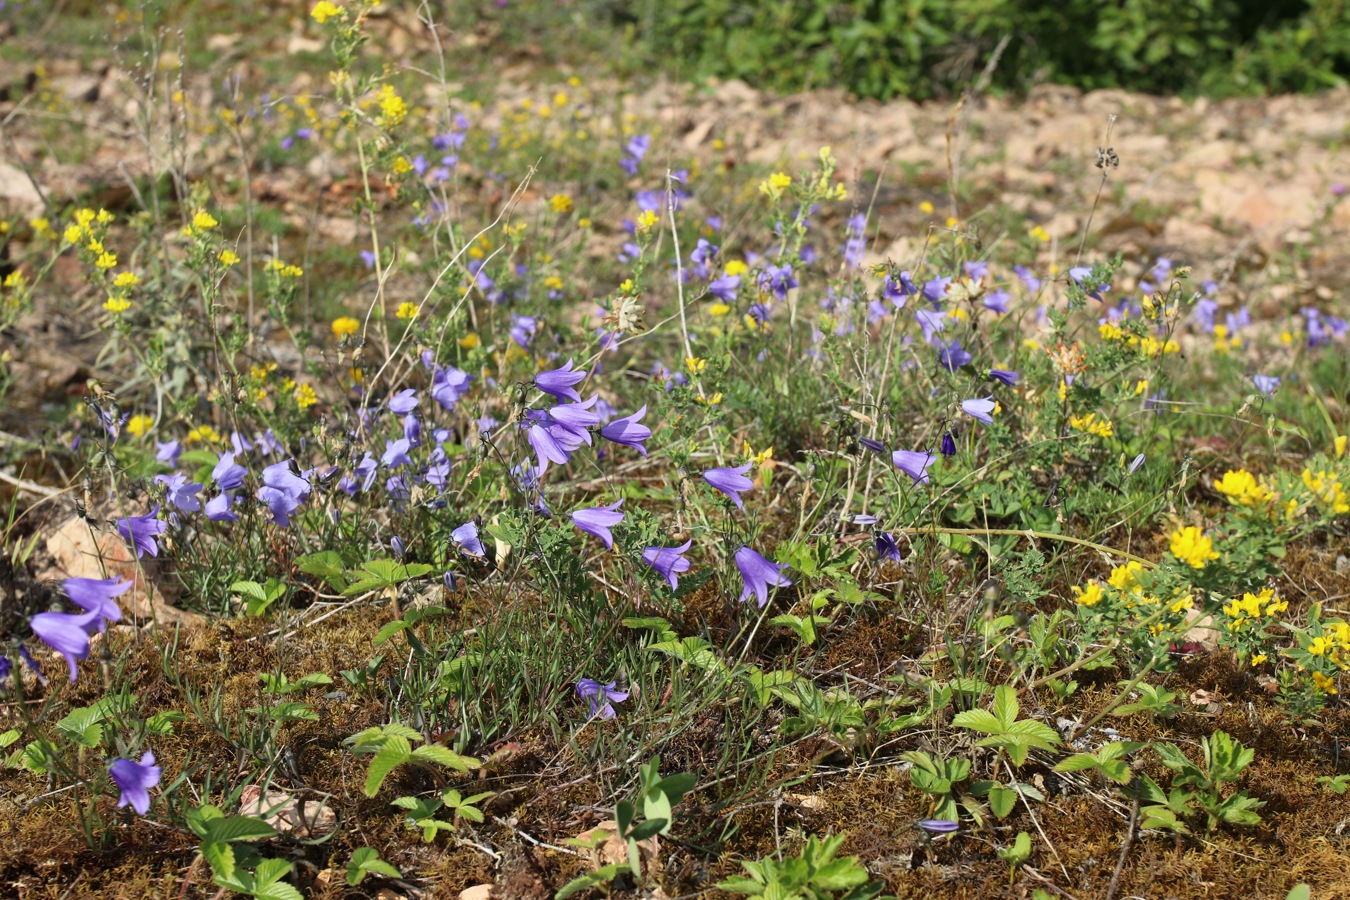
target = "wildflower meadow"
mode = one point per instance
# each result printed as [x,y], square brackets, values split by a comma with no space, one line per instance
[411,490]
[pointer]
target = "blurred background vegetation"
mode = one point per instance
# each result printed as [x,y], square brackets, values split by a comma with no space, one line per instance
[926,48]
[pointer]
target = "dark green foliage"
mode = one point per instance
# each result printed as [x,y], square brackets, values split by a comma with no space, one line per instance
[888,48]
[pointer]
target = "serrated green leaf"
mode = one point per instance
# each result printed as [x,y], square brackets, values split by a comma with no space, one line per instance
[446,757]
[395,753]
[1005,705]
[978,720]
[220,856]
[238,828]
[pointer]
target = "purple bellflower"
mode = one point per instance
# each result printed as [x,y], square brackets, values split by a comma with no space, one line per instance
[466,536]
[758,574]
[668,561]
[981,410]
[558,382]
[913,463]
[730,481]
[598,521]
[135,779]
[599,696]
[1266,384]
[1004,376]
[180,492]
[628,432]
[67,634]
[140,532]
[97,595]
[227,474]
[887,547]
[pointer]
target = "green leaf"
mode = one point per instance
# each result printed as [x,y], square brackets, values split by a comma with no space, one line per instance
[646,829]
[1005,704]
[238,828]
[270,871]
[162,722]
[1299,892]
[366,861]
[395,753]
[1002,800]
[221,858]
[446,757]
[326,564]
[600,876]
[979,720]
[388,630]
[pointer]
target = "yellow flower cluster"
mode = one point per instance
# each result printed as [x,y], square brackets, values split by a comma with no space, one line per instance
[407,310]
[773,186]
[345,326]
[1242,488]
[1090,424]
[393,109]
[324,10]
[646,221]
[1147,345]
[285,270]
[1192,546]
[305,396]
[560,203]
[1326,487]
[1252,608]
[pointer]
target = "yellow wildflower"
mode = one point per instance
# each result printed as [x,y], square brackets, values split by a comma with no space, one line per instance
[1324,684]
[718,309]
[646,220]
[1092,425]
[139,425]
[1193,547]
[1242,488]
[392,107]
[1338,445]
[736,267]
[204,433]
[324,10]
[402,166]
[305,396]
[553,283]
[116,305]
[775,184]
[926,208]
[407,310]
[695,365]
[561,203]
[73,234]
[106,261]
[228,257]
[126,279]
[1090,597]
[1125,578]
[1040,234]
[469,341]
[344,326]
[203,220]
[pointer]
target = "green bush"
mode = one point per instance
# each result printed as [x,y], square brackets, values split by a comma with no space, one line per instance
[919,48]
